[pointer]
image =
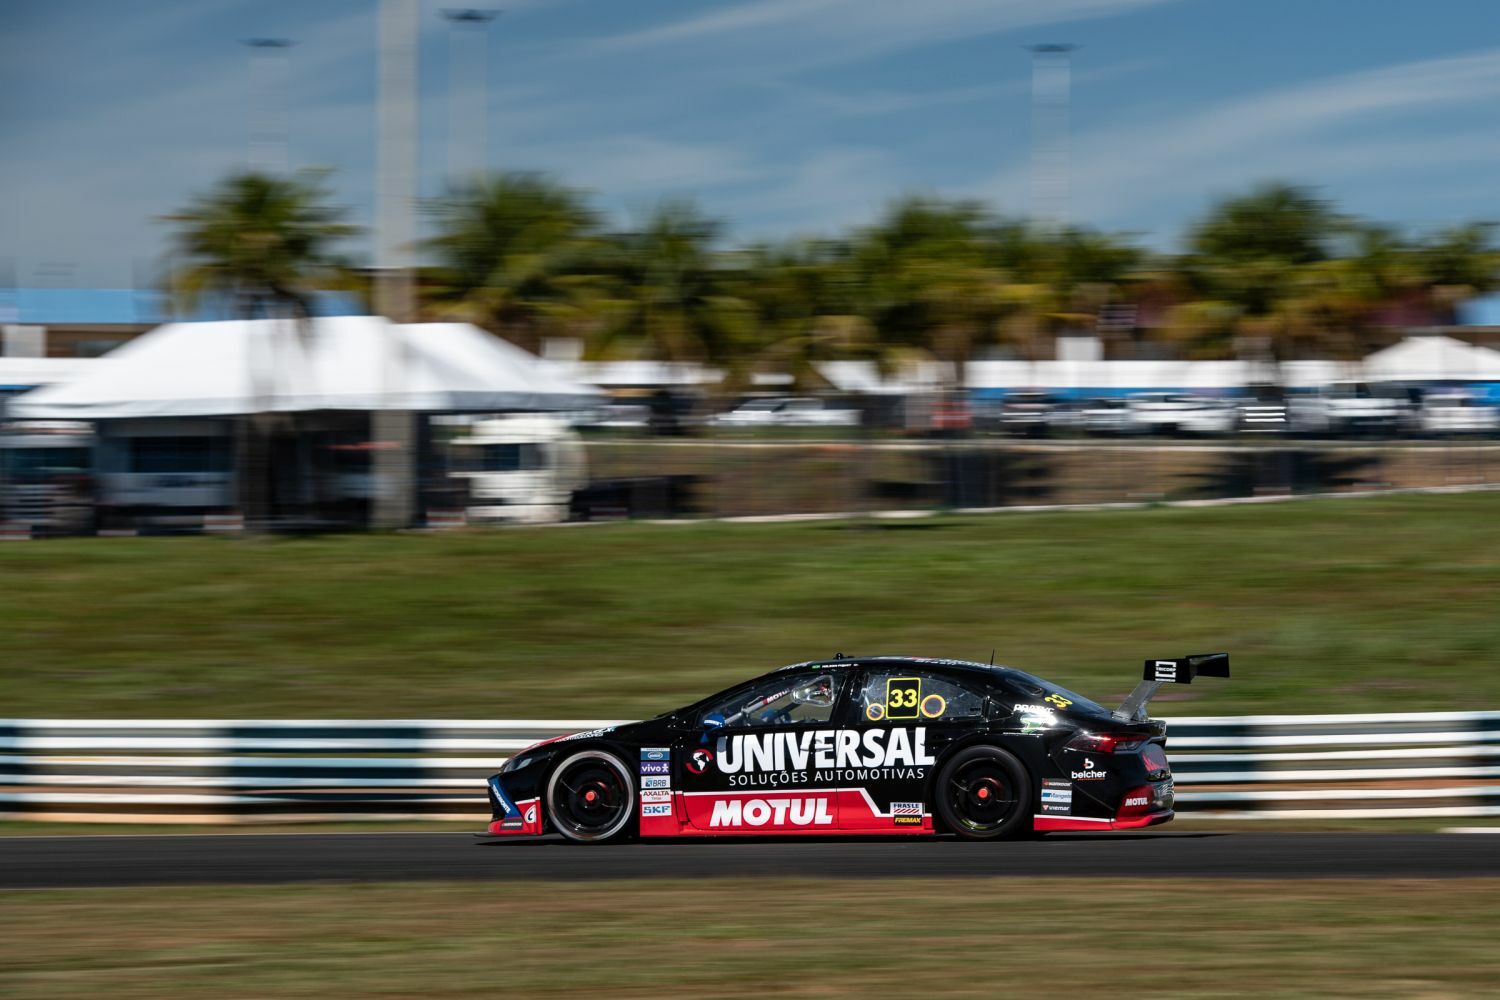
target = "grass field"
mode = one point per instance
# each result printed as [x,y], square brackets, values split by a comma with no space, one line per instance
[1371,604]
[772,937]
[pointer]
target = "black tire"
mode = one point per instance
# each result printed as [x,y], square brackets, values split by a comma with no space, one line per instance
[591,797]
[983,793]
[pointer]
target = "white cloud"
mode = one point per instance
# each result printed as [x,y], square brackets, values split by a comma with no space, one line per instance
[844,29]
[1353,125]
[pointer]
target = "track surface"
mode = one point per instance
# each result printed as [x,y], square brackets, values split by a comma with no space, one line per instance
[57,862]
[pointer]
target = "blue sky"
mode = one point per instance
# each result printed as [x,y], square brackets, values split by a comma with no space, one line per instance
[780,116]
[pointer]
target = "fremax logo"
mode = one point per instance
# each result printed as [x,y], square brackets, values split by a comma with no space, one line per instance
[776,812]
[823,748]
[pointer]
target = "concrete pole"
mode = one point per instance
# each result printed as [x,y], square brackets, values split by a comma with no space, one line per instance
[268,72]
[1051,86]
[468,83]
[393,431]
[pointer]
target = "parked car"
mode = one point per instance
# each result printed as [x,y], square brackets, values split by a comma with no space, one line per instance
[1179,413]
[1105,416]
[788,411]
[1457,413]
[1341,408]
[1027,414]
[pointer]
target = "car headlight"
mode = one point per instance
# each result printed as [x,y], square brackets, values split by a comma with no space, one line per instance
[515,764]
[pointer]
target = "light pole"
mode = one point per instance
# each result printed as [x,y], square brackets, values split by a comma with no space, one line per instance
[468,55]
[393,430]
[1051,85]
[268,69]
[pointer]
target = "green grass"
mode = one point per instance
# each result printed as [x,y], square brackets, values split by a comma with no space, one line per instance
[768,937]
[1371,604]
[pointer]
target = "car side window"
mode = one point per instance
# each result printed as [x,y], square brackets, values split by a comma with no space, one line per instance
[898,695]
[777,701]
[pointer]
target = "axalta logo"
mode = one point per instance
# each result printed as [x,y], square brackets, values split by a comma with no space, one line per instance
[823,748]
[775,812]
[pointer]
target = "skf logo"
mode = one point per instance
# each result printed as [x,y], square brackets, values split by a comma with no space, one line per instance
[699,760]
[775,812]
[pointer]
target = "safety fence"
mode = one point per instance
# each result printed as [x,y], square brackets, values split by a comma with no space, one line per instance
[1411,764]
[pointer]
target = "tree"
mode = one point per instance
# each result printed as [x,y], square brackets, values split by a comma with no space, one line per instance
[513,254]
[264,244]
[667,297]
[1248,252]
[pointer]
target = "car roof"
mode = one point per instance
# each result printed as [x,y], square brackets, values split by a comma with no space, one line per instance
[905,662]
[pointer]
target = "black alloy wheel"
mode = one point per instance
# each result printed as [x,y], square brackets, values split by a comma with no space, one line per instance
[591,797]
[984,793]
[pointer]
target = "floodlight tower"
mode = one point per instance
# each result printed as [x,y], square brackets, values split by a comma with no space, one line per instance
[393,430]
[268,72]
[468,104]
[1051,87]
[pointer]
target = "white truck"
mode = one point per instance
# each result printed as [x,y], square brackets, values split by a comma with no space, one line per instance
[523,468]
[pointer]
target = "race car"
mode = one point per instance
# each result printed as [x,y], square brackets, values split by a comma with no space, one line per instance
[858,745]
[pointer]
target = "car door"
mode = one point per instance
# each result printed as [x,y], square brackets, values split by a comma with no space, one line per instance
[903,719]
[752,767]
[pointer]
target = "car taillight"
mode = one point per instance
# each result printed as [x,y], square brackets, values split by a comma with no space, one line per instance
[1105,742]
[1155,759]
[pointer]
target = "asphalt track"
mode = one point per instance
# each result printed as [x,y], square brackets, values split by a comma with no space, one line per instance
[60,862]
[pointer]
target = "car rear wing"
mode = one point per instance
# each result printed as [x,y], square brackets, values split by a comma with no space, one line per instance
[1159,672]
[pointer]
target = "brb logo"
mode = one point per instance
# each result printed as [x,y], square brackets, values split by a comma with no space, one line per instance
[699,760]
[773,812]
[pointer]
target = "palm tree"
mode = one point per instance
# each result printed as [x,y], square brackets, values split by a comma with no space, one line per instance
[668,297]
[1248,252]
[513,254]
[262,244]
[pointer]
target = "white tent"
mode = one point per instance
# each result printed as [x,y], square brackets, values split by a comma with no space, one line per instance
[1433,358]
[330,363]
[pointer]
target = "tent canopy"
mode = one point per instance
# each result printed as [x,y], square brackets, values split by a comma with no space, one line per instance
[1433,358]
[282,366]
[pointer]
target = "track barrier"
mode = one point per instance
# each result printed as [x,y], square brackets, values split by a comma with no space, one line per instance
[1411,764]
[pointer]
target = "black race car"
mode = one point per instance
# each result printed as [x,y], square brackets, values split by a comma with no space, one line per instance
[858,745]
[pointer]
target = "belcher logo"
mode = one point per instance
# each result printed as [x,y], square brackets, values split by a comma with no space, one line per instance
[823,748]
[777,812]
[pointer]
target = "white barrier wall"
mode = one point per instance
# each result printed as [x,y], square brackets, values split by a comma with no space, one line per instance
[1413,764]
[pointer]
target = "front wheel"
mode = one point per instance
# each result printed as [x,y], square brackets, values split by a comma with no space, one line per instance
[591,797]
[984,793]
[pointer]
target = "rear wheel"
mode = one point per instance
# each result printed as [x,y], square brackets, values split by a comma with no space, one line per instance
[591,797]
[984,793]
